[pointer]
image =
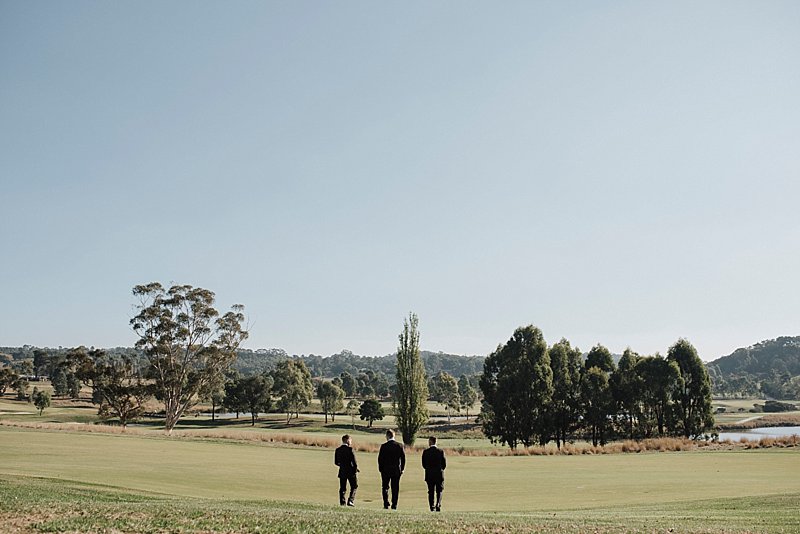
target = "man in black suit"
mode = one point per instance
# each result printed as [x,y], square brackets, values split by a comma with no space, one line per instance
[391,463]
[434,464]
[346,460]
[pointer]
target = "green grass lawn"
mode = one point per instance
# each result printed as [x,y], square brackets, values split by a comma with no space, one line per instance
[145,482]
[61,481]
[47,505]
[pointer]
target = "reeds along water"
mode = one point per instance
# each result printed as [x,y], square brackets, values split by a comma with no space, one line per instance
[569,449]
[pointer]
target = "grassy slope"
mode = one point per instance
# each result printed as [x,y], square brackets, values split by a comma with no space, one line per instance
[225,471]
[47,505]
[62,481]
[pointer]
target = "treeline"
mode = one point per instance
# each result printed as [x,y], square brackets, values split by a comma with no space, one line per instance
[264,360]
[252,362]
[768,369]
[534,394]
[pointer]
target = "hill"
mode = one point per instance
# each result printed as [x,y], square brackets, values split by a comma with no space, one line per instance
[770,368]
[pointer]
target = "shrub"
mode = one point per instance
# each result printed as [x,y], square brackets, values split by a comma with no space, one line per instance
[775,406]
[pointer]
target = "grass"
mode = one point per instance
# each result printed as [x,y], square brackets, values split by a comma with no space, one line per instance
[243,470]
[231,477]
[47,505]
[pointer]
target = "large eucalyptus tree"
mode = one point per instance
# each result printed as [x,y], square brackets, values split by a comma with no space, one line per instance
[186,341]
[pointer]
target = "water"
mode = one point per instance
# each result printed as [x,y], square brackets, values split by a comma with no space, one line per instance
[758,433]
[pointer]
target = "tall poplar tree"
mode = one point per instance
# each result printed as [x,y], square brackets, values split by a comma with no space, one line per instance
[412,386]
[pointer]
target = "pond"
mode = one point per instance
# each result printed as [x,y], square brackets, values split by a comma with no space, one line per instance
[756,434]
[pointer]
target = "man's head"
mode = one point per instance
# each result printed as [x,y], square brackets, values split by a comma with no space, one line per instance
[432,441]
[390,434]
[346,439]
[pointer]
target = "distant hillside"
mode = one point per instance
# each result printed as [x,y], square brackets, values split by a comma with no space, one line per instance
[770,368]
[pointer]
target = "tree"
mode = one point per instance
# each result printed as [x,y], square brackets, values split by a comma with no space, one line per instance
[565,408]
[626,388]
[41,399]
[40,361]
[517,385]
[467,396]
[73,387]
[600,357]
[293,386]
[348,384]
[371,410]
[659,384]
[367,392]
[446,392]
[331,397]
[694,415]
[187,343]
[21,387]
[380,384]
[118,386]
[234,400]
[62,376]
[215,392]
[58,379]
[598,403]
[7,379]
[412,389]
[24,367]
[256,395]
[352,410]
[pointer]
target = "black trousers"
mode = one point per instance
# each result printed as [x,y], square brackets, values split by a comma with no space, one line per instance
[388,479]
[343,488]
[438,487]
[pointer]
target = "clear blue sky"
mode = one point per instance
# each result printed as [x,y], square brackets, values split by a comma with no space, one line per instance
[625,173]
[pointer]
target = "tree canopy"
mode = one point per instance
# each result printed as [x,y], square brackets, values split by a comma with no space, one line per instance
[517,386]
[187,343]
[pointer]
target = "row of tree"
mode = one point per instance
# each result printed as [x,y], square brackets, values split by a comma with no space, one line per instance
[531,392]
[535,394]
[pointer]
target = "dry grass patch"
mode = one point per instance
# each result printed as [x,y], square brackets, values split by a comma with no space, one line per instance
[667,444]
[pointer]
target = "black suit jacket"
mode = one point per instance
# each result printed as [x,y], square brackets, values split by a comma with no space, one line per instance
[391,459]
[346,460]
[434,464]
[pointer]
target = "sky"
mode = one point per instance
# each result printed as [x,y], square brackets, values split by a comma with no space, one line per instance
[624,173]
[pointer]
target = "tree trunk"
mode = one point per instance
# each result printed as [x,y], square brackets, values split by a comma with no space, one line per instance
[253,419]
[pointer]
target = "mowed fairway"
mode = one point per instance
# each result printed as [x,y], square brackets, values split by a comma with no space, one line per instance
[244,471]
